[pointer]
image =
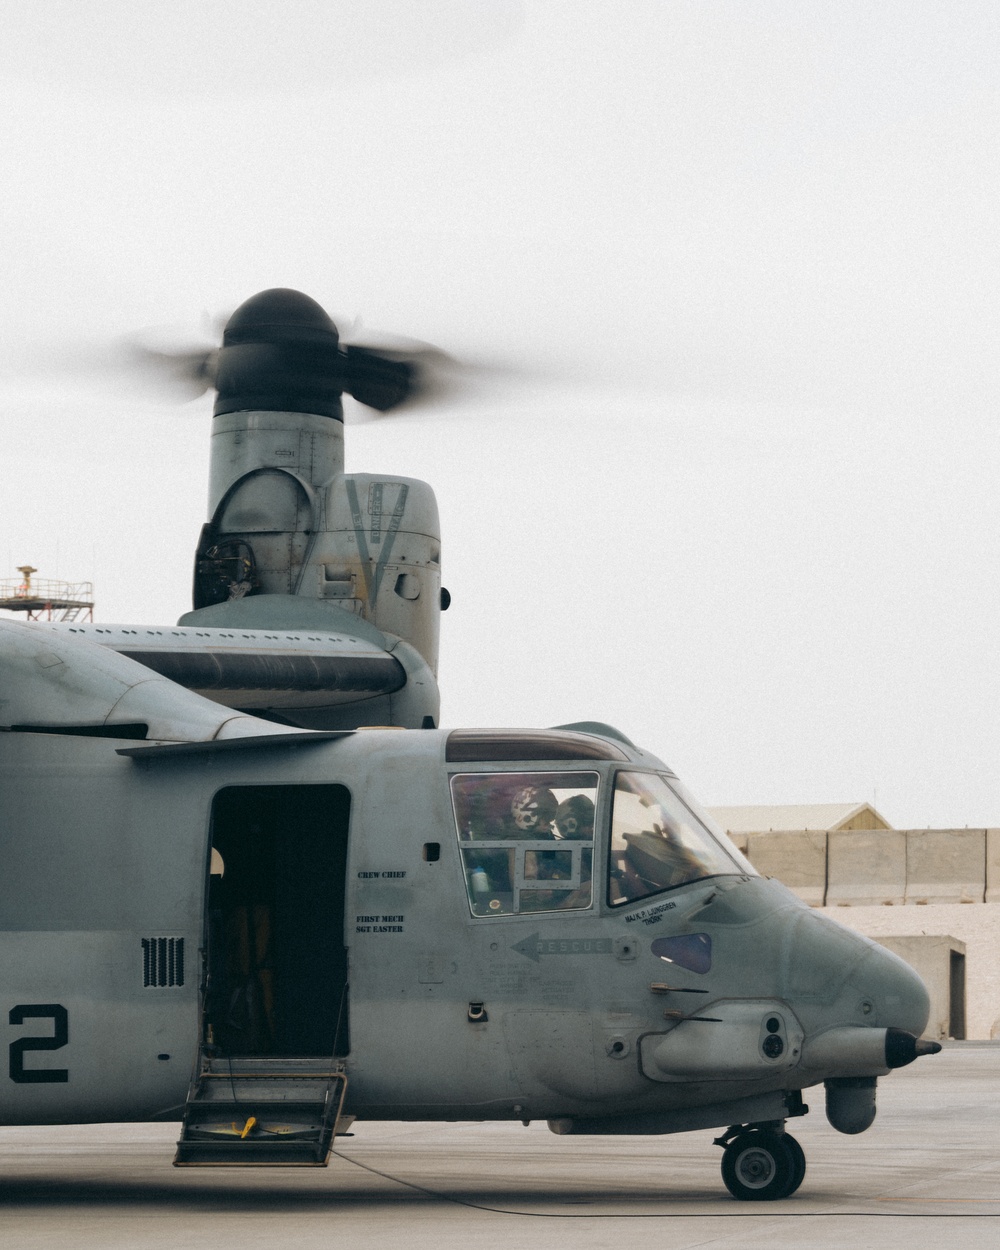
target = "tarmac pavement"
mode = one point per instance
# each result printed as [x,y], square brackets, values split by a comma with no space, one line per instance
[927,1173]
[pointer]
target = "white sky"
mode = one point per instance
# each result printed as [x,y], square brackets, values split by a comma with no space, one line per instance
[747,254]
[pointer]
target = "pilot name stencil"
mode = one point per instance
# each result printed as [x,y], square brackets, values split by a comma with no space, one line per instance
[650,915]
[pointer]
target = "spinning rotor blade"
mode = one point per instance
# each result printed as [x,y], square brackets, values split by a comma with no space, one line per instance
[280,351]
[376,380]
[182,374]
[397,378]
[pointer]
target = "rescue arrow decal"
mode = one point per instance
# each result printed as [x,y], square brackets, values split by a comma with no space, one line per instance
[535,947]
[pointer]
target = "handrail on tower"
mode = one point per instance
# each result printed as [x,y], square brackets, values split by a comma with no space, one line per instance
[45,599]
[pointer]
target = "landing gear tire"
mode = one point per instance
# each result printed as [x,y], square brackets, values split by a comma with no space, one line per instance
[762,1166]
[800,1162]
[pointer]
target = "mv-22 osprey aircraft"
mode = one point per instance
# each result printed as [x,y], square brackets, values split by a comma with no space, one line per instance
[251,886]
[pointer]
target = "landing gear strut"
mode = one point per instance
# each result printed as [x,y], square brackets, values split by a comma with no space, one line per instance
[762,1164]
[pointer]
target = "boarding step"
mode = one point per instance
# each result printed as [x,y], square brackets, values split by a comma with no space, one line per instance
[262,1112]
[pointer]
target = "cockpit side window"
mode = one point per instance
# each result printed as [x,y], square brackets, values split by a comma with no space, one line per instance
[657,842]
[527,840]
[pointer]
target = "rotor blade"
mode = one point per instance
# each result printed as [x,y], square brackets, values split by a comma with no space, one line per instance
[396,379]
[270,347]
[377,380]
[183,374]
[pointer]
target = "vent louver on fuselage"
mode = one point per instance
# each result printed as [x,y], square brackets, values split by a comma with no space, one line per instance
[162,962]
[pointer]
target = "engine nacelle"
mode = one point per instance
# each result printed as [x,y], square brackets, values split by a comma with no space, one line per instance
[287,520]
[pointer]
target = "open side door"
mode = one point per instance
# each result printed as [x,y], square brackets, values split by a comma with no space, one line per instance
[271,1079]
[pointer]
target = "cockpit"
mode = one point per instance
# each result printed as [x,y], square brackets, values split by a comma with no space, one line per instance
[562,837]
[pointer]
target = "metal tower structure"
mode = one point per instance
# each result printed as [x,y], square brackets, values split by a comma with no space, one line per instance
[47,600]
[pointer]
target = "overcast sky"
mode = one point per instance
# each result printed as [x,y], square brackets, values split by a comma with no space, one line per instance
[740,503]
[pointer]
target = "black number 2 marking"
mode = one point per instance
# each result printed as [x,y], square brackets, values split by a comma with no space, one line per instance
[59,1037]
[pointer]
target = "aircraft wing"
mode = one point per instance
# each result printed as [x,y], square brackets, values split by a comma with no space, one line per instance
[283,658]
[57,683]
[279,673]
[259,675]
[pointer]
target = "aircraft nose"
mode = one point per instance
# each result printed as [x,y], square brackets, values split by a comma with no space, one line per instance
[851,976]
[898,994]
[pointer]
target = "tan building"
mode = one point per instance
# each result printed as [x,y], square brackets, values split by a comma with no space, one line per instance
[783,818]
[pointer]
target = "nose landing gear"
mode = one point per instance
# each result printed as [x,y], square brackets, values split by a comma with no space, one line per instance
[761,1164]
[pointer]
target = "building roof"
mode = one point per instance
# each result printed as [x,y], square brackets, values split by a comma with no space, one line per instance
[785,817]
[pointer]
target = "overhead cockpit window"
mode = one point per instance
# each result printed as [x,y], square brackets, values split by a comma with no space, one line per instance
[467,745]
[527,840]
[657,842]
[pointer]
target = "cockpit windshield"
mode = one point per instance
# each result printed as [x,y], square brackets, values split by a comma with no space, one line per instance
[658,842]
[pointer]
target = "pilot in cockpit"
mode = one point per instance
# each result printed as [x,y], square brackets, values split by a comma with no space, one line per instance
[511,809]
[657,858]
[532,810]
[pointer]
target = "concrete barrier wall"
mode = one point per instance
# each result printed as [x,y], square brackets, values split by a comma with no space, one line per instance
[861,867]
[797,859]
[993,865]
[945,865]
[865,867]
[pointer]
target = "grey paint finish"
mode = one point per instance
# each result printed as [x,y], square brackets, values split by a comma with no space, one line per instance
[543,1051]
[695,1004]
